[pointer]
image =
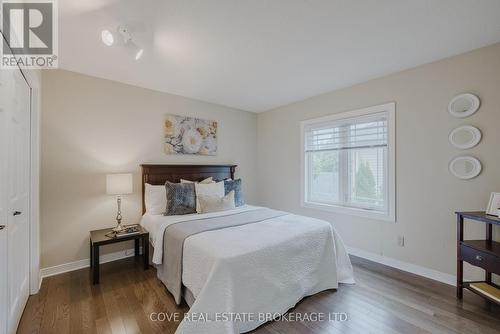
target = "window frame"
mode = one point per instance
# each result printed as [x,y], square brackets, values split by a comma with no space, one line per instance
[390,214]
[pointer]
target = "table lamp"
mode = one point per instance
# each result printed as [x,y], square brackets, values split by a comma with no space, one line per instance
[118,184]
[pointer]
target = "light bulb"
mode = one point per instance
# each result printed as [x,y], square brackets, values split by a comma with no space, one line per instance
[139,53]
[107,37]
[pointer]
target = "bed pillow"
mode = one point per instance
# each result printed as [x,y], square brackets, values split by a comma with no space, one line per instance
[155,199]
[214,203]
[211,189]
[234,185]
[206,181]
[181,198]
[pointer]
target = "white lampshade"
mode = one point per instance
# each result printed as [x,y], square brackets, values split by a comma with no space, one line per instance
[118,184]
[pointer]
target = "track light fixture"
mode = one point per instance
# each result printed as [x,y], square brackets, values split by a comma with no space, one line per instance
[123,37]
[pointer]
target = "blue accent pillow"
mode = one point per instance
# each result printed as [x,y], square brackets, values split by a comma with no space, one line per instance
[181,198]
[235,185]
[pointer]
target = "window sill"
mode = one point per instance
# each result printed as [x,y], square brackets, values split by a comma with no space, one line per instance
[371,214]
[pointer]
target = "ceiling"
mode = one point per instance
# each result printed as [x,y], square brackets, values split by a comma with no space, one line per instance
[256,55]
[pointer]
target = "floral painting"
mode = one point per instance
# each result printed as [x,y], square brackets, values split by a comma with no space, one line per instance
[187,135]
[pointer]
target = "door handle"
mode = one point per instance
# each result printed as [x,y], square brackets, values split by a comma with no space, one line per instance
[2,227]
[16,213]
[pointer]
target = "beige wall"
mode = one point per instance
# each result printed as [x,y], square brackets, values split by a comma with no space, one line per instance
[427,195]
[91,127]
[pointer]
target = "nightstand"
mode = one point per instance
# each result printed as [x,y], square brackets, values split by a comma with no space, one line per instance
[98,238]
[483,253]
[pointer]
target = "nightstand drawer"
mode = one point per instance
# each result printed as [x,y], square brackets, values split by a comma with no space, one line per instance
[480,258]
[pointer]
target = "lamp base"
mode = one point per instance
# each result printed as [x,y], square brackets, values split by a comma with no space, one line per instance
[119,227]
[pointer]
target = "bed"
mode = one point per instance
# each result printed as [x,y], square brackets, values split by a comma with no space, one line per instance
[251,265]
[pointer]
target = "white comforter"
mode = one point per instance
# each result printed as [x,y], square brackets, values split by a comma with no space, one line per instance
[240,275]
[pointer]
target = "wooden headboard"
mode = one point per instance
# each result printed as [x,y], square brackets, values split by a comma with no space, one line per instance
[159,174]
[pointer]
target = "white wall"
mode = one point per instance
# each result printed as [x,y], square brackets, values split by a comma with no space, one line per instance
[91,127]
[427,195]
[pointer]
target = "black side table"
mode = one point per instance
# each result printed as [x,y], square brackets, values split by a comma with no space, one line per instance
[98,238]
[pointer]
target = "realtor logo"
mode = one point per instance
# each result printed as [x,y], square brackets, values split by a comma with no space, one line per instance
[29,31]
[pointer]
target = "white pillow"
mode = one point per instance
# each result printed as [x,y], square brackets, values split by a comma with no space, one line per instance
[155,198]
[211,189]
[214,204]
[206,181]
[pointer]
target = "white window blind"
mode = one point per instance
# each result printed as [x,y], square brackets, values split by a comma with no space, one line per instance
[362,132]
[346,161]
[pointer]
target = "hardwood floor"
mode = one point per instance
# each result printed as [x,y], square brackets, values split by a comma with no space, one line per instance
[384,300]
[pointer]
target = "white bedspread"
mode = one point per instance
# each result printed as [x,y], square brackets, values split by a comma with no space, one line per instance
[156,225]
[246,272]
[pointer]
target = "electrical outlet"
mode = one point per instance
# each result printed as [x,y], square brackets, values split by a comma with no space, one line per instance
[401,241]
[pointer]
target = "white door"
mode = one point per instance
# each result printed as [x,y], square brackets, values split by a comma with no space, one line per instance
[16,119]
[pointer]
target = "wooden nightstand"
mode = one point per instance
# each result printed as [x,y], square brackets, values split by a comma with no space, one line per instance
[98,238]
[480,253]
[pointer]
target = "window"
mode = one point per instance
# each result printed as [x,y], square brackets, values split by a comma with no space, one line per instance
[349,163]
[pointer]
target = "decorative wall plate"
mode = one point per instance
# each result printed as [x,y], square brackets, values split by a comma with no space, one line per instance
[464,105]
[465,167]
[465,137]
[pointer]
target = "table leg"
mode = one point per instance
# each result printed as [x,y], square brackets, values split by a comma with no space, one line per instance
[91,255]
[489,237]
[460,263]
[95,271]
[145,251]
[136,247]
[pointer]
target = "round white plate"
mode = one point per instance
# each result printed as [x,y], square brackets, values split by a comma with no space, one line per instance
[465,167]
[464,105]
[465,137]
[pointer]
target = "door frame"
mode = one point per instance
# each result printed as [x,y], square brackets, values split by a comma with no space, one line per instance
[33,78]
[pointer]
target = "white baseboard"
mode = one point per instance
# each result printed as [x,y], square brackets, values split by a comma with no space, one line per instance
[66,267]
[405,266]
